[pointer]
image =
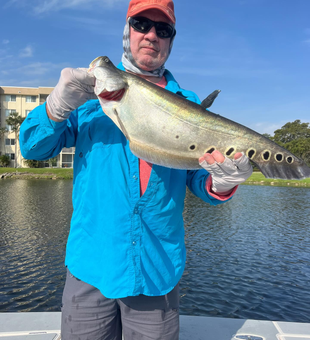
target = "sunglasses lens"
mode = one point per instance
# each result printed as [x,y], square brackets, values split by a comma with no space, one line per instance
[164,30]
[143,25]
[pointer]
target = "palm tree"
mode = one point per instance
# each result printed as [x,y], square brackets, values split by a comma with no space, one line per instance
[15,121]
[3,131]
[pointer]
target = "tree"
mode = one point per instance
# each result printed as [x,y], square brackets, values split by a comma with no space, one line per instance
[15,121]
[3,131]
[4,160]
[295,137]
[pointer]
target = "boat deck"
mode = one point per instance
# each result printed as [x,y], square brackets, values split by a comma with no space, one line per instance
[46,326]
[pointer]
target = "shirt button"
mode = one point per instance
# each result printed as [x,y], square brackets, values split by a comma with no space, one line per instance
[136,211]
[134,243]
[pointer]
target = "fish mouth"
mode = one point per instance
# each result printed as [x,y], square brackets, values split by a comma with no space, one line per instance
[112,96]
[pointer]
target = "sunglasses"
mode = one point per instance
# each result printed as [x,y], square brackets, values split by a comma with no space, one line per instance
[143,25]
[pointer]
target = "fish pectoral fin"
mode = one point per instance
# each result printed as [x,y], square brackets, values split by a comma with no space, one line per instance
[210,99]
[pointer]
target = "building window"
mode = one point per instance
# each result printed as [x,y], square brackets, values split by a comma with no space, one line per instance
[8,127]
[10,98]
[31,99]
[27,112]
[67,161]
[11,155]
[9,141]
[8,112]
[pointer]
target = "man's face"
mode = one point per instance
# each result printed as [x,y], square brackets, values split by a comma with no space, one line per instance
[149,51]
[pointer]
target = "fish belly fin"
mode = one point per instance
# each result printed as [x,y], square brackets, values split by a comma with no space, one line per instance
[210,99]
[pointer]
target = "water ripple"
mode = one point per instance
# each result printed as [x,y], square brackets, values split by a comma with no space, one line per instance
[248,258]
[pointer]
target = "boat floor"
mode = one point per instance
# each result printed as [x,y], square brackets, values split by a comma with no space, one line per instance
[46,326]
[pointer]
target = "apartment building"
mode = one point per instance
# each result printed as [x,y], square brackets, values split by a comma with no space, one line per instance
[23,100]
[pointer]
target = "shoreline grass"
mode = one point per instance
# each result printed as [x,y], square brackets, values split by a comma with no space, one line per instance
[34,173]
[257,178]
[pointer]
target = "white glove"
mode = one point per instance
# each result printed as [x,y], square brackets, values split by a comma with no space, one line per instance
[226,175]
[74,88]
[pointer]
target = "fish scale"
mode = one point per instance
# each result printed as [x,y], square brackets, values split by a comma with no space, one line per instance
[169,130]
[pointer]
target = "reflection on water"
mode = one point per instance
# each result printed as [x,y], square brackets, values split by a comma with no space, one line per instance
[248,258]
[34,224]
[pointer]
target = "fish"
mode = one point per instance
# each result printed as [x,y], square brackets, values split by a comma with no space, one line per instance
[166,129]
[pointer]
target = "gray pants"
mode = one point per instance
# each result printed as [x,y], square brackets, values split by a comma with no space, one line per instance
[87,314]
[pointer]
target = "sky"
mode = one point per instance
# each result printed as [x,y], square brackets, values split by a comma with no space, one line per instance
[257,52]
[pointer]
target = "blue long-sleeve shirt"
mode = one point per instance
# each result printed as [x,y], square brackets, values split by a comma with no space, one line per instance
[119,242]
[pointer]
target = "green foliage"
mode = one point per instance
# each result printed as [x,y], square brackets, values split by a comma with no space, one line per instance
[295,137]
[4,160]
[3,131]
[41,164]
[15,121]
[292,131]
[32,163]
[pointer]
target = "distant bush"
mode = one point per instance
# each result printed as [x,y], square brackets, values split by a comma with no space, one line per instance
[5,160]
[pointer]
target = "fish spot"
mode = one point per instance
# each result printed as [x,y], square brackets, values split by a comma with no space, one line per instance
[229,151]
[279,157]
[289,159]
[210,150]
[266,155]
[192,147]
[251,153]
[177,136]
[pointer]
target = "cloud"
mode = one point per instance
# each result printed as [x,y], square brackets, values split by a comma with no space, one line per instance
[267,127]
[40,69]
[16,73]
[26,52]
[5,41]
[96,26]
[40,7]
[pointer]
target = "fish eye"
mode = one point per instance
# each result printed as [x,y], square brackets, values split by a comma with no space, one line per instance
[192,147]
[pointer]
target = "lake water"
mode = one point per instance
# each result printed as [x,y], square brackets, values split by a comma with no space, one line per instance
[248,258]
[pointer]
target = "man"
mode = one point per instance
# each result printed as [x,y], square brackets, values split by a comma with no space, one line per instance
[125,251]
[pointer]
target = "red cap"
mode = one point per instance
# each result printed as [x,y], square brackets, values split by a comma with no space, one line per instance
[165,6]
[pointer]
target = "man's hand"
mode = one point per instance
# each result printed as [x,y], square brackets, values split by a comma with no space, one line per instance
[226,173]
[74,88]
